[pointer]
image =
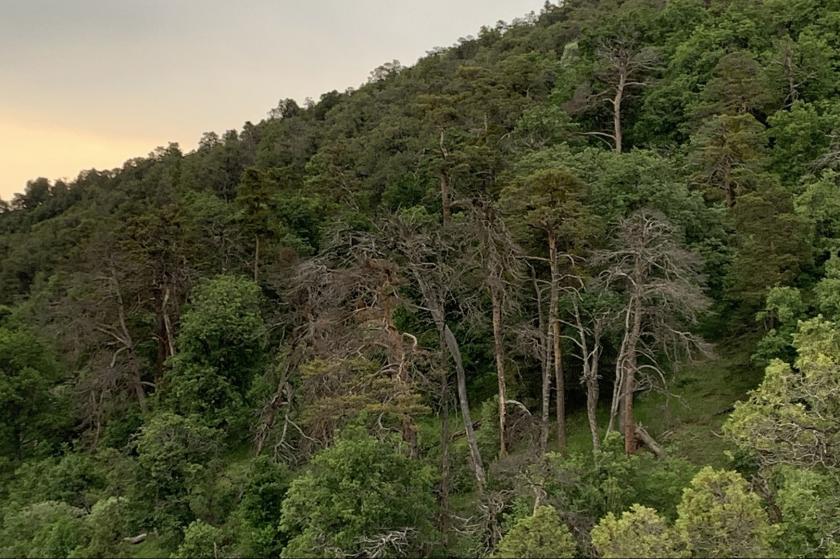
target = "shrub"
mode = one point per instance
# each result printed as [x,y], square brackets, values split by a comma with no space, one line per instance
[544,534]
[107,523]
[639,532]
[359,494]
[45,529]
[719,517]
[200,540]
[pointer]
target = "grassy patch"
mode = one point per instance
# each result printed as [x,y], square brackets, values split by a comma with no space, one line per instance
[688,420]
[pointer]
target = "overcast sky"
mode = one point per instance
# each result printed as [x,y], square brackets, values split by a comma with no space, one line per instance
[90,83]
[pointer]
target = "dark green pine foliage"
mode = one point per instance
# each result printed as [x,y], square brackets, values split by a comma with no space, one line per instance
[184,339]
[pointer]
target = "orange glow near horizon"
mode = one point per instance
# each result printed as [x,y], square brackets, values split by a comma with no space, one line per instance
[91,84]
[30,150]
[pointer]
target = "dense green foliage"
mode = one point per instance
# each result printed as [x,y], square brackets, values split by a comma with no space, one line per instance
[220,352]
[359,496]
[499,303]
[719,517]
[539,536]
[639,532]
[28,393]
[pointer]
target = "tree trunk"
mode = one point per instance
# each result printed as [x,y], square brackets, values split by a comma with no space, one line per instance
[545,350]
[500,368]
[616,395]
[167,323]
[631,365]
[592,394]
[475,454]
[591,360]
[162,353]
[256,258]
[554,319]
[790,73]
[560,389]
[627,411]
[649,442]
[444,181]
[444,448]
[138,386]
[617,100]
[437,311]
[617,402]
[165,336]
[445,197]
[729,190]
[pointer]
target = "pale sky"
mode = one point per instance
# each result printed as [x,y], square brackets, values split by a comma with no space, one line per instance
[90,83]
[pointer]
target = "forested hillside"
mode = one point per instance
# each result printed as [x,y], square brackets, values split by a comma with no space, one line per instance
[501,303]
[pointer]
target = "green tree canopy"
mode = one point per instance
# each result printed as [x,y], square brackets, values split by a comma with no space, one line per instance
[718,516]
[33,407]
[639,532]
[541,535]
[359,495]
[791,417]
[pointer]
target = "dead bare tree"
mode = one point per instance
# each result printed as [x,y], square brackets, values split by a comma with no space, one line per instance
[831,158]
[486,525]
[591,317]
[349,354]
[500,259]
[545,340]
[621,65]
[427,257]
[795,66]
[282,399]
[388,544]
[93,319]
[662,291]
[531,341]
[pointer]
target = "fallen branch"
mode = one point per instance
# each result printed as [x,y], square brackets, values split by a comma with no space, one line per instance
[475,425]
[136,539]
[649,442]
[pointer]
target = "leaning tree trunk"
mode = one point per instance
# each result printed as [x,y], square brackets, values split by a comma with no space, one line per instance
[475,454]
[617,402]
[167,324]
[436,310]
[500,368]
[554,320]
[651,444]
[591,363]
